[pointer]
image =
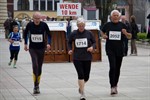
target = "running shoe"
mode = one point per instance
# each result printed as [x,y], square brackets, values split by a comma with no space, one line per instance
[113,91]
[14,66]
[9,63]
[82,97]
[36,90]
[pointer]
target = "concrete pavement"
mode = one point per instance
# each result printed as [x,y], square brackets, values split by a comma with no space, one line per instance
[59,80]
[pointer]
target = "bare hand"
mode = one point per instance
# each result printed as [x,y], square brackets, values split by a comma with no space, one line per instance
[10,40]
[26,48]
[70,52]
[124,31]
[48,47]
[90,49]
[104,36]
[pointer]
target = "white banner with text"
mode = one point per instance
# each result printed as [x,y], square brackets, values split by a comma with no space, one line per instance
[68,9]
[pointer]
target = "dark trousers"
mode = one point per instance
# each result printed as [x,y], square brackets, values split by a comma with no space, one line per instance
[126,47]
[14,54]
[133,46]
[37,56]
[114,71]
[6,33]
[83,69]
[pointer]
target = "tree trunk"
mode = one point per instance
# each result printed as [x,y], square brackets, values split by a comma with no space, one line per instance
[130,2]
[104,9]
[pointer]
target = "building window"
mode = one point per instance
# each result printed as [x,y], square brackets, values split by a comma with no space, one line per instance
[35,5]
[42,4]
[122,11]
[55,4]
[49,5]
[23,4]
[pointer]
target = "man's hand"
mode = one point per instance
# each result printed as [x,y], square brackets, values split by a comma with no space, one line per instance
[70,52]
[128,35]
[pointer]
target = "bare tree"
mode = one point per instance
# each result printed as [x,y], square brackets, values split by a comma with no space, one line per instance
[130,3]
[105,6]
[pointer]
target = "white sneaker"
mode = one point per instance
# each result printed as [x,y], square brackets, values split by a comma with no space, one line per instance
[14,66]
[113,91]
[82,97]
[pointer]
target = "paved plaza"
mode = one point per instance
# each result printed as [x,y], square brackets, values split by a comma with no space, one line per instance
[59,80]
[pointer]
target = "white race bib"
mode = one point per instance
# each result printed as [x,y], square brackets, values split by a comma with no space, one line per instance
[16,43]
[114,35]
[36,37]
[80,43]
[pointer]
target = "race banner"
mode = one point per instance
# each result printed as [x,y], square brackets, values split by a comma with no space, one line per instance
[68,9]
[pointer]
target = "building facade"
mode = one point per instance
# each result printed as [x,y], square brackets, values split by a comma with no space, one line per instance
[141,8]
[3,12]
[25,8]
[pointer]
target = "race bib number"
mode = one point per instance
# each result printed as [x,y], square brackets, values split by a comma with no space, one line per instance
[36,38]
[114,35]
[16,43]
[80,43]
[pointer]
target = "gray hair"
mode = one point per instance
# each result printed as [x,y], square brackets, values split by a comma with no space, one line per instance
[115,11]
[80,20]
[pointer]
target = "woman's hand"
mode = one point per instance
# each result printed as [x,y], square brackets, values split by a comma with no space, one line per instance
[90,49]
[10,40]
[20,40]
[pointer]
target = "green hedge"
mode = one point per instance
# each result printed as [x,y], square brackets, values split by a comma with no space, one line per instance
[141,36]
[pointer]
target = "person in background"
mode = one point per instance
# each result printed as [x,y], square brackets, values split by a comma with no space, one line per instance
[16,19]
[134,31]
[37,31]
[84,43]
[115,32]
[123,20]
[14,38]
[148,32]
[7,26]
[24,23]
[13,23]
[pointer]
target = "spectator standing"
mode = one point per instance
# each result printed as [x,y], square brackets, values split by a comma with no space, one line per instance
[24,23]
[13,23]
[148,33]
[134,31]
[7,26]
[16,19]
[123,19]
